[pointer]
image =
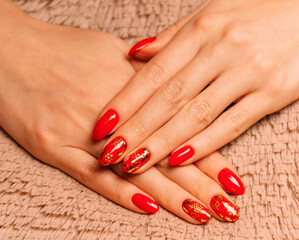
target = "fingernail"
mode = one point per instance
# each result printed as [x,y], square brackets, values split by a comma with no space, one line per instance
[140,45]
[136,160]
[197,211]
[112,151]
[105,124]
[181,155]
[224,208]
[231,182]
[145,203]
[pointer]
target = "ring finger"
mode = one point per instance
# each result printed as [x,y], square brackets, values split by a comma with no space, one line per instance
[168,194]
[203,187]
[166,102]
[189,121]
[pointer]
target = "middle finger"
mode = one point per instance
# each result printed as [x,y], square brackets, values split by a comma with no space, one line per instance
[190,120]
[165,103]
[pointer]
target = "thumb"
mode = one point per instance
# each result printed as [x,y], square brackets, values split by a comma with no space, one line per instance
[137,64]
[149,47]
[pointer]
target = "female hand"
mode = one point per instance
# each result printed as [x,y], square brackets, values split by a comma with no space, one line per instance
[53,82]
[191,192]
[242,52]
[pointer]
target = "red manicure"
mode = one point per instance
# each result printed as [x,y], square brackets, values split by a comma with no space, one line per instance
[224,208]
[113,150]
[136,160]
[140,45]
[197,211]
[105,124]
[181,155]
[145,203]
[231,182]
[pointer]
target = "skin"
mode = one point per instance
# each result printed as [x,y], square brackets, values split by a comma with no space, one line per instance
[54,80]
[246,52]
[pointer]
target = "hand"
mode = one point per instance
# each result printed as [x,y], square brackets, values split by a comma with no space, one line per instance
[230,52]
[173,188]
[53,82]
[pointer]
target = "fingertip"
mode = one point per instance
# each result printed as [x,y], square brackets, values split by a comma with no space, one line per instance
[231,182]
[197,211]
[112,152]
[181,155]
[150,48]
[145,203]
[141,45]
[224,208]
[105,124]
[136,160]
[150,51]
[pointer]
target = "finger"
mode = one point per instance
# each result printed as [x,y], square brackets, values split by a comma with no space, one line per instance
[227,127]
[220,170]
[202,187]
[145,82]
[85,168]
[190,120]
[179,52]
[166,102]
[149,47]
[137,64]
[168,194]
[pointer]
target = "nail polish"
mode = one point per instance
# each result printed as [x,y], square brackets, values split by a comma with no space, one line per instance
[224,208]
[145,203]
[140,45]
[231,182]
[197,211]
[112,151]
[105,124]
[136,160]
[181,155]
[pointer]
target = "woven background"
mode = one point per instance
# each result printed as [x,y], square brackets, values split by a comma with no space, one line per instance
[40,202]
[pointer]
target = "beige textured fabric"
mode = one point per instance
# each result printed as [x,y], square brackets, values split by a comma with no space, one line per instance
[40,202]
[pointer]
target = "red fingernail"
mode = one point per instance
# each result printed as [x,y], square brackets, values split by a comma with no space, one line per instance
[140,45]
[145,203]
[224,208]
[231,182]
[112,151]
[197,211]
[181,155]
[105,124]
[136,160]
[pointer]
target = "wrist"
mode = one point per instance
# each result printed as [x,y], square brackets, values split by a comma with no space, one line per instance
[10,14]
[15,26]
[13,22]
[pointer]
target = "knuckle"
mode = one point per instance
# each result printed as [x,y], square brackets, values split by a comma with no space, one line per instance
[201,111]
[117,191]
[238,33]
[278,85]
[217,50]
[140,128]
[260,61]
[43,136]
[173,28]
[154,73]
[236,121]
[87,172]
[205,21]
[169,195]
[194,180]
[172,94]
[162,164]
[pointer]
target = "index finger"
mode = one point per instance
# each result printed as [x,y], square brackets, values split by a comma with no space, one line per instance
[141,87]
